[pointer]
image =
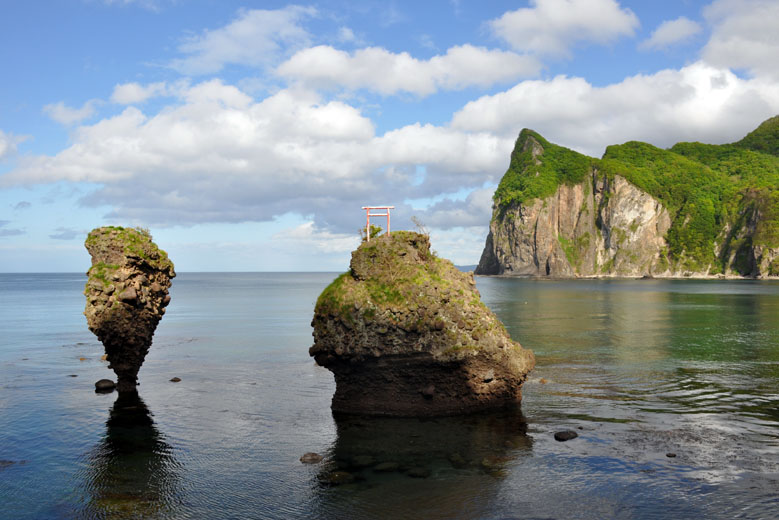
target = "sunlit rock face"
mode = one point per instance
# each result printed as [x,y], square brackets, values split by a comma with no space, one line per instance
[405,334]
[127,292]
[640,211]
[597,227]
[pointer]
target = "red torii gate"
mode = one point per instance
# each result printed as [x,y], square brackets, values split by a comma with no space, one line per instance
[368,216]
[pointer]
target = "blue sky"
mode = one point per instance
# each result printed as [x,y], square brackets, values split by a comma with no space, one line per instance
[247,135]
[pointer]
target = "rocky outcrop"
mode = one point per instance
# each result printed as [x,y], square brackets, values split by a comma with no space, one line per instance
[406,334]
[597,227]
[127,292]
[713,210]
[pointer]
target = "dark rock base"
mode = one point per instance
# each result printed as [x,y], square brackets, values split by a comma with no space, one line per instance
[418,386]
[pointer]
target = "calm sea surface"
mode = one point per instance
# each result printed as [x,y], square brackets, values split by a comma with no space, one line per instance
[640,369]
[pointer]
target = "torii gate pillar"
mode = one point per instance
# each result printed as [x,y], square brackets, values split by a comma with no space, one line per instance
[368,216]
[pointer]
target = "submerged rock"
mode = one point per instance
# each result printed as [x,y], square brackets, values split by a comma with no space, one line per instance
[565,435]
[405,333]
[105,386]
[311,458]
[127,292]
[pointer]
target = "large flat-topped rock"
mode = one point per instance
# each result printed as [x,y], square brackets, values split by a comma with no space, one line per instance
[405,333]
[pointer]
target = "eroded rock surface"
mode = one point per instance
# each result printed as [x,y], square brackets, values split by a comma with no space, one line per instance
[127,293]
[640,211]
[597,227]
[405,334]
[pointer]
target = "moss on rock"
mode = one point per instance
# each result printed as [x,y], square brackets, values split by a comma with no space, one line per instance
[126,293]
[402,308]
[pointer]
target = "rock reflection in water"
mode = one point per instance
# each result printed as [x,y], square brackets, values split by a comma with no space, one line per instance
[132,473]
[438,466]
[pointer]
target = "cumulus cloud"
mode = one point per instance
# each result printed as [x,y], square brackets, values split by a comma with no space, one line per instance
[552,27]
[671,32]
[9,232]
[382,71]
[67,116]
[744,36]
[474,211]
[309,238]
[9,144]
[133,93]
[217,155]
[698,102]
[256,38]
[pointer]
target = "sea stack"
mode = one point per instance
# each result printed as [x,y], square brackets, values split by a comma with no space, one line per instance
[127,292]
[405,334]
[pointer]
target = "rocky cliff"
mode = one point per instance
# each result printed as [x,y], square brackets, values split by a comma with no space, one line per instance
[406,334]
[694,210]
[127,292]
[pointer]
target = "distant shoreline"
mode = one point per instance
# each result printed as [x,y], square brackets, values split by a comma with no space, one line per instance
[719,277]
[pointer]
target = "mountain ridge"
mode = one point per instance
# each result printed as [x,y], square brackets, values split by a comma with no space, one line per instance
[714,208]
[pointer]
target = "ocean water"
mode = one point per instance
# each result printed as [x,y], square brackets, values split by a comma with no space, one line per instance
[639,369]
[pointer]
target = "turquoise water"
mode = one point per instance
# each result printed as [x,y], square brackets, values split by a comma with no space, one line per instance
[640,369]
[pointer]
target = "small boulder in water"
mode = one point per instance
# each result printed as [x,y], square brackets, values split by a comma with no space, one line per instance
[105,386]
[311,458]
[565,435]
[336,478]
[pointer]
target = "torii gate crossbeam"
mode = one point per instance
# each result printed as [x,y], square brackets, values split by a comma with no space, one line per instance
[368,216]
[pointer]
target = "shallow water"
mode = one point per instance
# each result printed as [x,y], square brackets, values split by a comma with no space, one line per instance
[639,369]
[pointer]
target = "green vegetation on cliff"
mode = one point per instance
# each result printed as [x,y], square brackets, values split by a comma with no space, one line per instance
[534,175]
[765,138]
[723,199]
[698,198]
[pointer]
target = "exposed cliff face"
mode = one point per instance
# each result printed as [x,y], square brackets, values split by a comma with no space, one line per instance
[406,334]
[127,292]
[597,227]
[558,213]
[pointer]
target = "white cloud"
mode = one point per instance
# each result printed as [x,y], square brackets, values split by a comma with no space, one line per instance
[671,32]
[552,27]
[461,245]
[217,155]
[388,73]
[67,116]
[133,93]
[474,211]
[698,102]
[346,35]
[309,238]
[745,35]
[256,38]
[9,144]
